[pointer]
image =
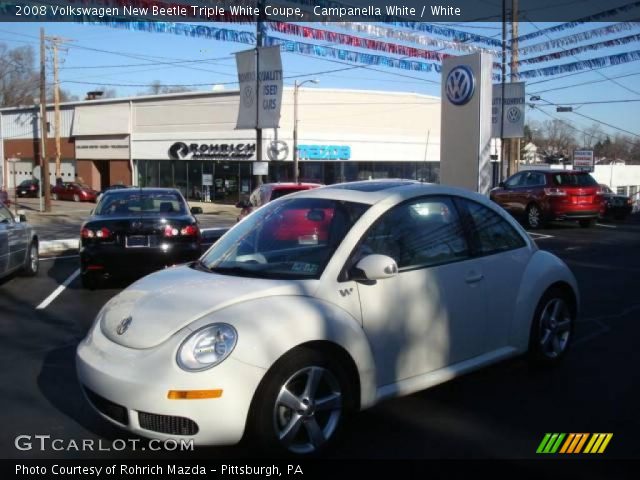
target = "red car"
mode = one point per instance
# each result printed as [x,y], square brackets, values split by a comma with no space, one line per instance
[270,191]
[540,196]
[73,191]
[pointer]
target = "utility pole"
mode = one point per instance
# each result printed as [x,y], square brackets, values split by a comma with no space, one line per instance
[55,41]
[259,44]
[44,169]
[504,163]
[514,143]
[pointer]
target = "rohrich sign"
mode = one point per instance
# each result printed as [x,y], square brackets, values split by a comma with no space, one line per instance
[213,151]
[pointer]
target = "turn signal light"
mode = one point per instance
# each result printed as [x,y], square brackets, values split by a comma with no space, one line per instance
[189,230]
[102,233]
[193,394]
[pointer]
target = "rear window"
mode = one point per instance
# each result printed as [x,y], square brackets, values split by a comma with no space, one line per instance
[281,192]
[136,203]
[574,180]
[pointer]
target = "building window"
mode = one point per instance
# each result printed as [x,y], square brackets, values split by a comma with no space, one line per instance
[621,190]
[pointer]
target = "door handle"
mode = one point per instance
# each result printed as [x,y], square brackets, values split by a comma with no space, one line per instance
[474,277]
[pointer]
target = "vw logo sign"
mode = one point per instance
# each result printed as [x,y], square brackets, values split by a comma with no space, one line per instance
[247,96]
[278,150]
[123,326]
[513,114]
[460,85]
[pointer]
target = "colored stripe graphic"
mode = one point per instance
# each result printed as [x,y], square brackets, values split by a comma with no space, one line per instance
[574,443]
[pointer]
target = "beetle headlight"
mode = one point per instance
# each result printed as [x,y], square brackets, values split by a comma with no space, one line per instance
[207,347]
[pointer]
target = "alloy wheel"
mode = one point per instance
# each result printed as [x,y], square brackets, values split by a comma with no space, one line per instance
[555,328]
[307,410]
[533,216]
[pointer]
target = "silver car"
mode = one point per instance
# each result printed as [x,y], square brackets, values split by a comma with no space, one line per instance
[18,244]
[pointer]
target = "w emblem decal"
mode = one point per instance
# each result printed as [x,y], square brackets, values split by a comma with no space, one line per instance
[460,85]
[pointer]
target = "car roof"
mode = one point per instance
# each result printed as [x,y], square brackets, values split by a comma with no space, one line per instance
[392,191]
[144,190]
[287,185]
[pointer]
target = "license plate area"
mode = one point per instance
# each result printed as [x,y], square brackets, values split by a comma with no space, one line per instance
[136,241]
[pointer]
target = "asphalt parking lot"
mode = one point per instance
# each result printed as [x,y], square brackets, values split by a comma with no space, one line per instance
[500,412]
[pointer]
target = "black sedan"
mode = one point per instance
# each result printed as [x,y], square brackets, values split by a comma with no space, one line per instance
[134,231]
[616,206]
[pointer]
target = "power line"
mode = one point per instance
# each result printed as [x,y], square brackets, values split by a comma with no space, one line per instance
[583,83]
[592,119]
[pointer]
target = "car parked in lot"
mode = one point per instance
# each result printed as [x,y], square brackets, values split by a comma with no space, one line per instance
[28,188]
[281,340]
[18,244]
[73,191]
[540,196]
[137,230]
[616,206]
[270,191]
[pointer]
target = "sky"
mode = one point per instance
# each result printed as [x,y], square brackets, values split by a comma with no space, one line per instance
[98,57]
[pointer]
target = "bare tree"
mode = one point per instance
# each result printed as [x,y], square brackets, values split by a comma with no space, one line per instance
[18,78]
[156,88]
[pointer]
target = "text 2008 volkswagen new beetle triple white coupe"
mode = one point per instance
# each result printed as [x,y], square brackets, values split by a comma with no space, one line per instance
[320,304]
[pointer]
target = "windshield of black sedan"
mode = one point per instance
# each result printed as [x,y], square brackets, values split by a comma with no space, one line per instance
[288,238]
[140,202]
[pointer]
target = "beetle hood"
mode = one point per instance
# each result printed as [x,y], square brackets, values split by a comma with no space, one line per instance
[154,308]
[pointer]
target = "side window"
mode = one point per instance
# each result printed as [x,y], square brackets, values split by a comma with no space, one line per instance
[420,233]
[535,180]
[490,232]
[5,215]
[515,181]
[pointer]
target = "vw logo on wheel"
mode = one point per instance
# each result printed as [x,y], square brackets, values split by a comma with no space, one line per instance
[123,326]
[513,114]
[460,85]
[278,150]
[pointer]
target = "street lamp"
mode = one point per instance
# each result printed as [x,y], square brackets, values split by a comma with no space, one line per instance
[296,86]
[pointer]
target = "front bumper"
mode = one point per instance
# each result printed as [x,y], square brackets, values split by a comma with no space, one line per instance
[129,387]
[114,259]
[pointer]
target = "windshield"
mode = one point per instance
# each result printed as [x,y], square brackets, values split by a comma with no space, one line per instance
[289,238]
[140,202]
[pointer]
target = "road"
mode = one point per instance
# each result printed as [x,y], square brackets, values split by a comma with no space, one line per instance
[500,412]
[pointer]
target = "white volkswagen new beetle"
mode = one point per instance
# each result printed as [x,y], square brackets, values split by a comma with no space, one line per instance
[322,303]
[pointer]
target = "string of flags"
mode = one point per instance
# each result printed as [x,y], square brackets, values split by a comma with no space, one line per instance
[352,41]
[592,63]
[404,36]
[579,37]
[584,48]
[590,18]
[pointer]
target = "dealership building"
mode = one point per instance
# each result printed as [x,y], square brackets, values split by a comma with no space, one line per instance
[190,141]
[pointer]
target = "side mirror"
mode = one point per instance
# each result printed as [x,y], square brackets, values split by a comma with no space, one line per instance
[502,185]
[196,210]
[21,218]
[374,267]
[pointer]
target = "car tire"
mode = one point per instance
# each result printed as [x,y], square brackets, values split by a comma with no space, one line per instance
[587,223]
[32,262]
[534,218]
[552,328]
[76,197]
[285,417]
[54,196]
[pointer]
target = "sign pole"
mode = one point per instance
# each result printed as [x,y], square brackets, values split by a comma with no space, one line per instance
[259,42]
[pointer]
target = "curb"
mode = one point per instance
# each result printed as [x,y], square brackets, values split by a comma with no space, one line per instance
[47,247]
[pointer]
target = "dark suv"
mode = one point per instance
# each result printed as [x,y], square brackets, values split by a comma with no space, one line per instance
[540,196]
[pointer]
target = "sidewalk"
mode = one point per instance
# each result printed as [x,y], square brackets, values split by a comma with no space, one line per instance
[59,230]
